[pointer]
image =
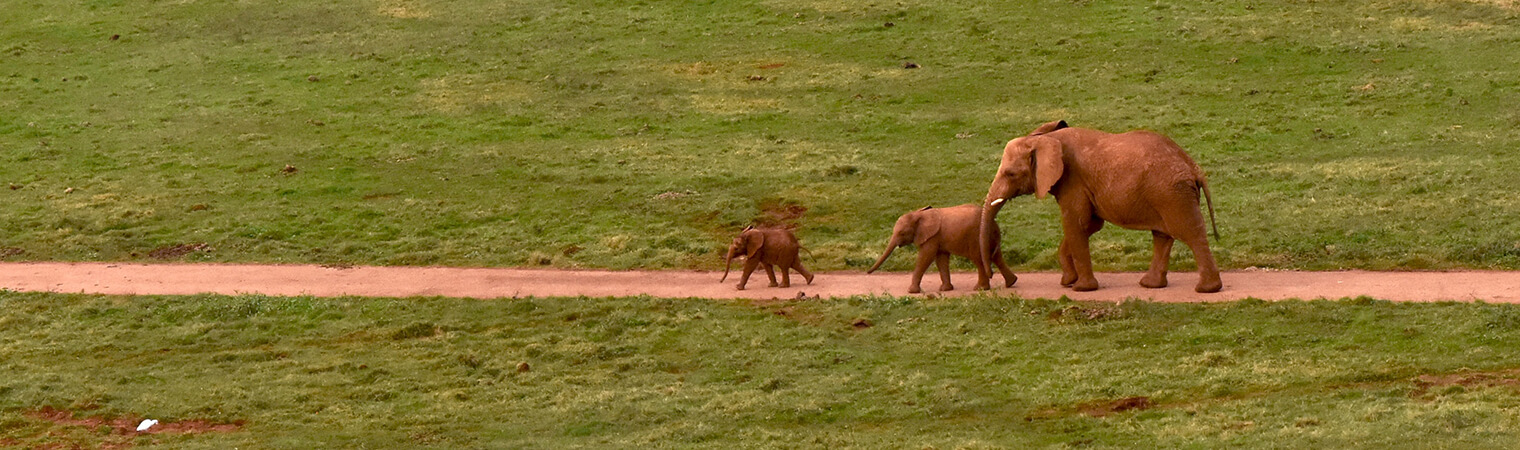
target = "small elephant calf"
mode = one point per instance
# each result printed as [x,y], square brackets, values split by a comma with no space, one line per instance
[939,233]
[766,247]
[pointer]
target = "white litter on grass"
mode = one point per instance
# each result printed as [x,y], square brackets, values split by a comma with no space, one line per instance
[146,424]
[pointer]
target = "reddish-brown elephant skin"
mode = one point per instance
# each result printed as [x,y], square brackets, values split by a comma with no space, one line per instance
[1138,180]
[766,247]
[939,233]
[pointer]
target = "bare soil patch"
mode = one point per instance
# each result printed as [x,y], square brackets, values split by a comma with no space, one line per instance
[127,425]
[779,214]
[1096,408]
[1080,314]
[1429,382]
[1106,407]
[178,250]
[70,431]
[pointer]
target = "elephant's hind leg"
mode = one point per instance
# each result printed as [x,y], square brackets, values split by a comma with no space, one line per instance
[943,262]
[1008,277]
[803,271]
[1156,277]
[1185,223]
[1208,273]
[770,273]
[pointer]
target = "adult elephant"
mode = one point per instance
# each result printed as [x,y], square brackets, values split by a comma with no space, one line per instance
[1138,180]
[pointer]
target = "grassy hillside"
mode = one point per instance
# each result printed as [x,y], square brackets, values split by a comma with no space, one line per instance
[976,372]
[616,134]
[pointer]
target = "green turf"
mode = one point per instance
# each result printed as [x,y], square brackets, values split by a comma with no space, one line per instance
[973,372]
[644,134]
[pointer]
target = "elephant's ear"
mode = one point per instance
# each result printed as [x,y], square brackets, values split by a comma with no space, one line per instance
[1048,165]
[928,226]
[1048,127]
[753,243]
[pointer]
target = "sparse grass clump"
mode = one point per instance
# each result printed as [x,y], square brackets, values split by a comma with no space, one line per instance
[1372,135]
[863,372]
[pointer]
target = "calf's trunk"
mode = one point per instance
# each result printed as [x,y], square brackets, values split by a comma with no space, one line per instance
[891,245]
[728,263]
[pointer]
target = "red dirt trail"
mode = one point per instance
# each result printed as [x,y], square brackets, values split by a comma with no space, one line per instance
[287,280]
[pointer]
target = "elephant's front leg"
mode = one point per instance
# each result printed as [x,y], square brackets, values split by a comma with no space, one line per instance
[925,257]
[984,282]
[943,262]
[1068,270]
[1156,277]
[769,273]
[1078,229]
[749,268]
[983,274]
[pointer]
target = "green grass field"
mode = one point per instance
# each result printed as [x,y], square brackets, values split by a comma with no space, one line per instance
[584,134]
[1336,134]
[972,372]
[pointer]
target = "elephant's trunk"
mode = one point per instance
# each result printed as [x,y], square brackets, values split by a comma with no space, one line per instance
[1001,190]
[891,245]
[728,263]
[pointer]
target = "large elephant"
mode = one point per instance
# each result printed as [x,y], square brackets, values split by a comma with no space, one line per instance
[1138,180]
[766,247]
[939,233]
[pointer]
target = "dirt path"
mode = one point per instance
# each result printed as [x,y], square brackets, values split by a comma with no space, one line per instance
[126,278]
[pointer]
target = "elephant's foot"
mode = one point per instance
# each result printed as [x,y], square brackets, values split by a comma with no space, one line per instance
[946,287]
[914,290]
[1008,281]
[1153,281]
[773,284]
[740,287]
[1209,286]
[809,278]
[1085,285]
[1068,279]
[983,286]
[785,285]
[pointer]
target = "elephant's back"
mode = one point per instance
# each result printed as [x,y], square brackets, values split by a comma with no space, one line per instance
[782,235]
[1153,145]
[1140,154]
[960,229]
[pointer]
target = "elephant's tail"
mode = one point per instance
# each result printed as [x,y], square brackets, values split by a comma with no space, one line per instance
[1209,199]
[815,259]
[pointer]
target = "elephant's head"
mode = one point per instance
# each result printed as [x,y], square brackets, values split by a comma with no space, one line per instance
[748,243]
[1048,127]
[1031,165]
[914,228]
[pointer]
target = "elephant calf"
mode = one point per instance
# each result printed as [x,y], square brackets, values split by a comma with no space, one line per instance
[766,247]
[939,233]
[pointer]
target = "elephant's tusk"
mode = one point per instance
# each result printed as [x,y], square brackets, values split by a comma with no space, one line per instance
[996,202]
